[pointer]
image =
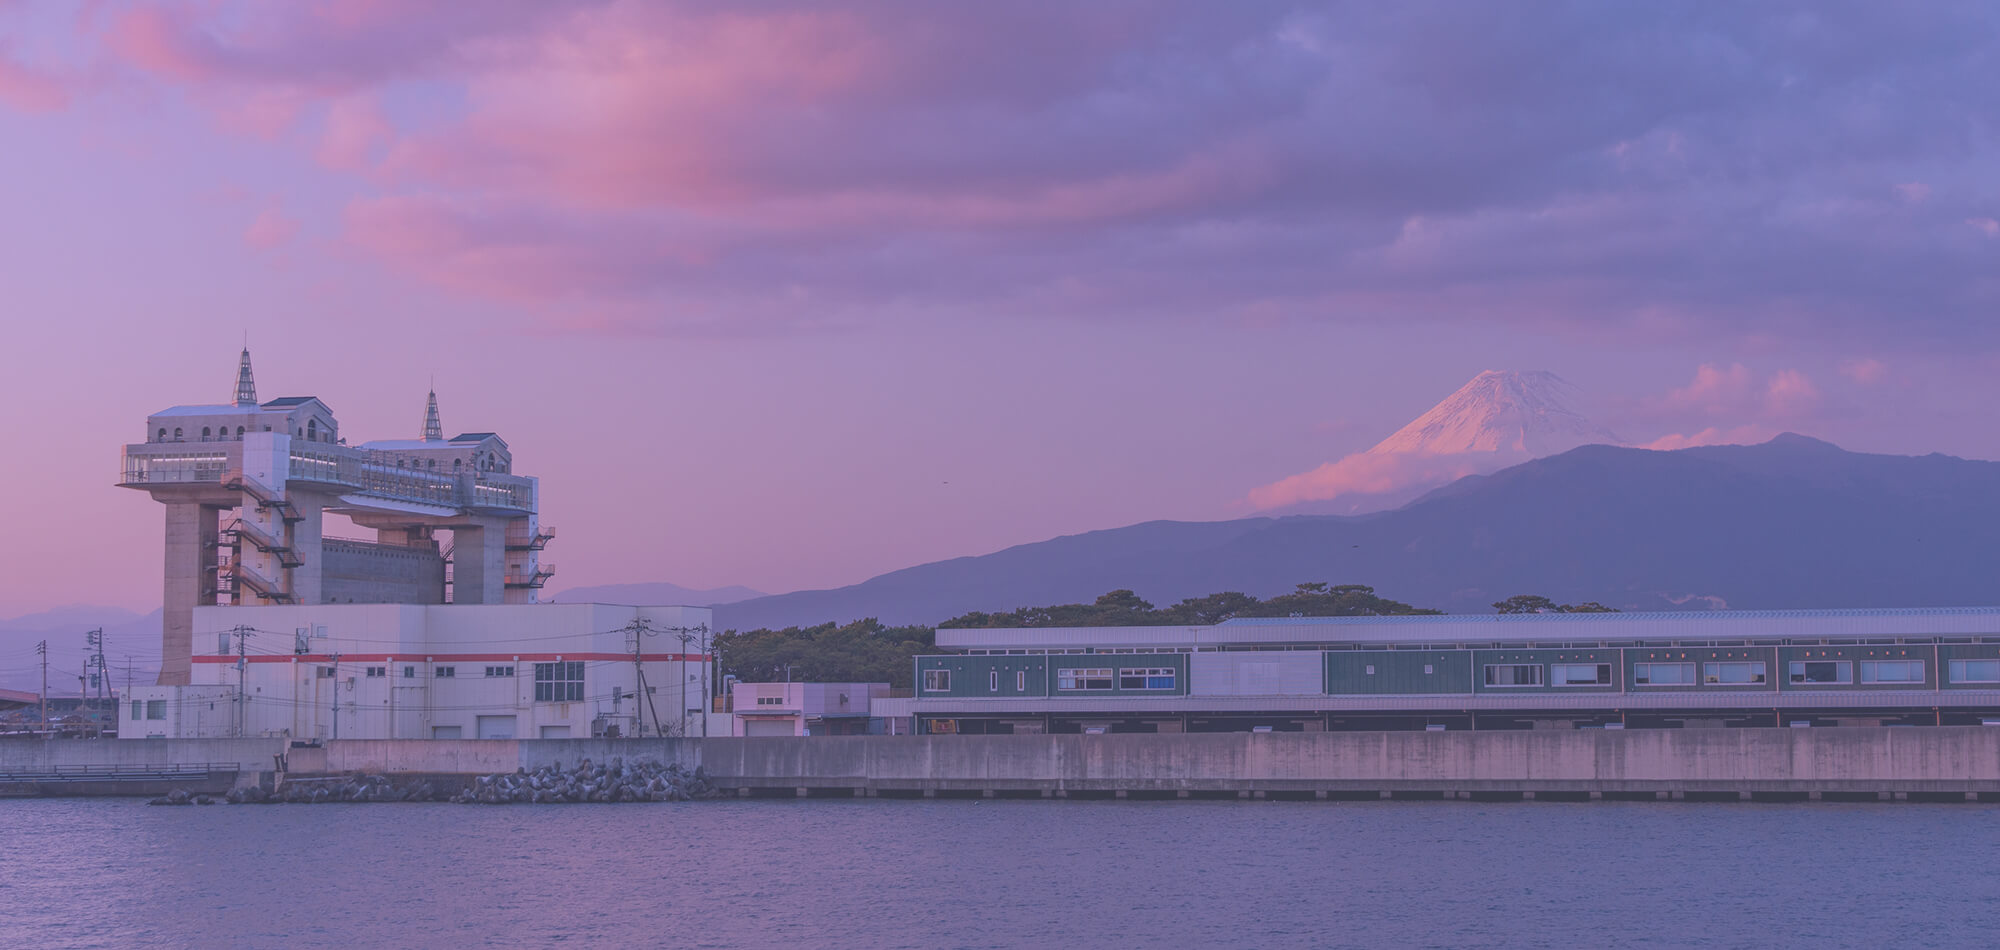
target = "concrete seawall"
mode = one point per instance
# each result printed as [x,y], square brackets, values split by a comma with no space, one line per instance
[1941,762]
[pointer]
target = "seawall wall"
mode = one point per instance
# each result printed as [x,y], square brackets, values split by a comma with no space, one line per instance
[1950,759]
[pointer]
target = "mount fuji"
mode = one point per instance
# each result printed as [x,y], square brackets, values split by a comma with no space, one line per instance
[1497,420]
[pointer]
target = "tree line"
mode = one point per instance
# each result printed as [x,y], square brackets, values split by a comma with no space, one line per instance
[869,651]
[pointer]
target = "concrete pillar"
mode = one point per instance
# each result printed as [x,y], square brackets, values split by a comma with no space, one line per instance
[1596,796]
[802,792]
[1258,795]
[1815,796]
[1743,796]
[1971,796]
[1677,796]
[479,562]
[190,581]
[1120,794]
[305,537]
[1385,795]
[742,793]
[1318,796]
[930,793]
[1902,796]
[1527,796]
[1243,795]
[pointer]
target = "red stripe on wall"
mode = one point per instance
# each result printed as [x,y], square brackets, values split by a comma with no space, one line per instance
[460,658]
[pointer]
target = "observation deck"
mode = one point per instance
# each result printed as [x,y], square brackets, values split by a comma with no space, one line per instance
[361,477]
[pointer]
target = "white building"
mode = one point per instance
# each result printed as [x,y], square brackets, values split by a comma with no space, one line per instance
[803,709]
[429,629]
[406,671]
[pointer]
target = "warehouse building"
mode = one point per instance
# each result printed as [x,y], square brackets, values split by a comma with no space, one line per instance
[1924,666]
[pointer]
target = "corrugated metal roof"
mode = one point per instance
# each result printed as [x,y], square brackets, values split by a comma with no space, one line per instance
[1474,628]
[1634,616]
[1063,706]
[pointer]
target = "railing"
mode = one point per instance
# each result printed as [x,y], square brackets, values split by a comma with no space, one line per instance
[101,773]
[355,470]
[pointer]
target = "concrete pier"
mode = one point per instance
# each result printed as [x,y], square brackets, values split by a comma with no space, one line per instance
[1955,763]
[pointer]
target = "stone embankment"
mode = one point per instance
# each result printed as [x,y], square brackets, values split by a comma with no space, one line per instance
[613,783]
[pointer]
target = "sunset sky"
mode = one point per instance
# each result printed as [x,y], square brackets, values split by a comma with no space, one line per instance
[791,294]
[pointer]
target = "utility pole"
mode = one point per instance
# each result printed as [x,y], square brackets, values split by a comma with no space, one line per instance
[42,648]
[687,635]
[641,628]
[335,659]
[94,646]
[242,634]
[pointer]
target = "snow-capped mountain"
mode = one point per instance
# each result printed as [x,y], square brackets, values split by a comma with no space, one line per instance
[1500,418]
[1527,414]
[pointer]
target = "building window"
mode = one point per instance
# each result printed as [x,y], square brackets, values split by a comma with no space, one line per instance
[326,672]
[204,433]
[239,433]
[937,681]
[559,682]
[1369,670]
[163,435]
[1078,678]
[770,700]
[1580,674]
[1892,671]
[499,671]
[377,672]
[156,709]
[1428,670]
[1514,674]
[1975,671]
[1736,673]
[1822,671]
[409,672]
[177,433]
[1663,674]
[1154,678]
[136,707]
[993,681]
[1021,681]
[445,672]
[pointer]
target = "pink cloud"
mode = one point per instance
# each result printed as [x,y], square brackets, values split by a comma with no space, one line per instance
[1866,371]
[354,129]
[1790,394]
[28,89]
[1914,192]
[1987,226]
[1714,435]
[271,229]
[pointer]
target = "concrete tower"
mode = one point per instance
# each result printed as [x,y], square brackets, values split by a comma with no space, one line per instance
[246,486]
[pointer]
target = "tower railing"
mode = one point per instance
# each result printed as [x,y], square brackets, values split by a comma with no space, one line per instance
[350,470]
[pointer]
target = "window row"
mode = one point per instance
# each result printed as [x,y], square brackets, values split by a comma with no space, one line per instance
[1075,679]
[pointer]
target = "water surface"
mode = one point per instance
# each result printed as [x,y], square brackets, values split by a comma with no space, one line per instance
[976,874]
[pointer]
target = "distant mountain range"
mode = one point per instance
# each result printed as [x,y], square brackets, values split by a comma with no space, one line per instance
[1794,522]
[654,595]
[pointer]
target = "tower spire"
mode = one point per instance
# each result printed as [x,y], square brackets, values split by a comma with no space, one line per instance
[246,386]
[433,429]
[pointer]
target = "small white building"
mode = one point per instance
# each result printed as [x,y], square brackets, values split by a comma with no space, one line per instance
[804,709]
[436,671]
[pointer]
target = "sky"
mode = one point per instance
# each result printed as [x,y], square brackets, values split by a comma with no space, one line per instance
[791,294]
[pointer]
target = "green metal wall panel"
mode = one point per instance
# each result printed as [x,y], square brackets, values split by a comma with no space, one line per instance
[1368,672]
[1948,652]
[972,676]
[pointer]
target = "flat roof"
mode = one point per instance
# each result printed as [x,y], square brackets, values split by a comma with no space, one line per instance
[1459,628]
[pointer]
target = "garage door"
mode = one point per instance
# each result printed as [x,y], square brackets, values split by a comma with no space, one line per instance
[768,727]
[496,727]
